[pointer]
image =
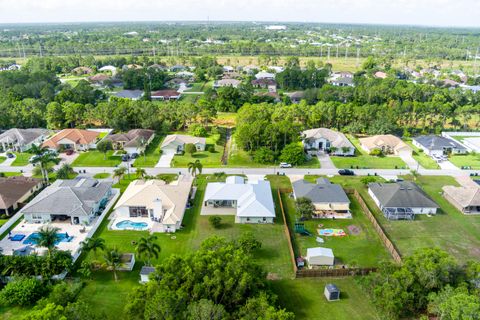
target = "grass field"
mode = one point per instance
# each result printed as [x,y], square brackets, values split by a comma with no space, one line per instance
[102,175]
[207,158]
[21,159]
[152,154]
[305,298]
[467,160]
[424,160]
[96,159]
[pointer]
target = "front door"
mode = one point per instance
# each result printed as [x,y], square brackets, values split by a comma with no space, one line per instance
[320,145]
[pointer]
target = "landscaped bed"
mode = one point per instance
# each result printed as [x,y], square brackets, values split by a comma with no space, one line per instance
[95,158]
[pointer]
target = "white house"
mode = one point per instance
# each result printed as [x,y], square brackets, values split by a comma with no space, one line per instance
[320,257]
[250,202]
[175,143]
[438,146]
[133,141]
[265,75]
[327,140]
[22,139]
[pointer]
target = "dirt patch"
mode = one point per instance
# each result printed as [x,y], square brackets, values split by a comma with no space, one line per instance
[475,252]
[273,276]
[354,230]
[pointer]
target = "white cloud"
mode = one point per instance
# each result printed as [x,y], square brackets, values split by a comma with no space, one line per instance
[424,12]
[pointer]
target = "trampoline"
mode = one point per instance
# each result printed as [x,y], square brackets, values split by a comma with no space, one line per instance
[17,237]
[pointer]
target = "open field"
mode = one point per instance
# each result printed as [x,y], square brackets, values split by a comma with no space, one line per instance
[467,160]
[424,160]
[95,158]
[152,154]
[305,298]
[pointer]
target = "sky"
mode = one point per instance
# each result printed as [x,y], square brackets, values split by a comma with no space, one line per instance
[411,12]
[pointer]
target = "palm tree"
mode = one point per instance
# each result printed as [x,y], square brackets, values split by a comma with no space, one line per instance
[43,159]
[64,171]
[141,145]
[119,173]
[141,173]
[193,167]
[113,259]
[92,244]
[147,248]
[47,237]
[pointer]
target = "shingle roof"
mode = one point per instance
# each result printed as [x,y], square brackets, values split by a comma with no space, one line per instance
[432,142]
[129,94]
[22,136]
[321,192]
[384,140]
[76,135]
[337,139]
[147,270]
[182,139]
[131,138]
[401,194]
[465,196]
[13,188]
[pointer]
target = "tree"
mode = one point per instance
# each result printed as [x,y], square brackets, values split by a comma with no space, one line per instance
[48,237]
[215,221]
[205,310]
[65,171]
[305,207]
[119,173]
[264,156]
[112,260]
[193,167]
[190,148]
[43,159]
[51,311]
[104,146]
[141,173]
[93,244]
[248,242]
[367,180]
[148,248]
[293,153]
[22,292]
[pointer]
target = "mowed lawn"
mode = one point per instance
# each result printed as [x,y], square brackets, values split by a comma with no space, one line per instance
[306,299]
[152,154]
[363,160]
[95,158]
[109,296]
[419,156]
[449,230]
[207,158]
[467,160]
[2,159]
[21,159]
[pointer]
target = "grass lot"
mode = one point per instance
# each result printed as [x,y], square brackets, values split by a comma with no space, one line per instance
[152,154]
[424,160]
[2,159]
[101,175]
[207,158]
[21,159]
[364,249]
[363,160]
[96,159]
[305,298]
[225,119]
[449,229]
[470,160]
[109,297]
[11,174]
[196,87]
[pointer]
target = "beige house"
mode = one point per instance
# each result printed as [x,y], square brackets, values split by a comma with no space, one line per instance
[159,205]
[175,143]
[465,199]
[388,143]
[15,191]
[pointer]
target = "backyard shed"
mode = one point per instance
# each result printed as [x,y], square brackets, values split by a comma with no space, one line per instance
[320,256]
[332,293]
[145,273]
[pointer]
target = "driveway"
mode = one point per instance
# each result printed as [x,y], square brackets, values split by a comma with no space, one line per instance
[410,161]
[68,159]
[325,161]
[165,160]
[7,162]
[447,165]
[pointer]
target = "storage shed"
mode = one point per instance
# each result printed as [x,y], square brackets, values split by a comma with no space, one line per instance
[332,293]
[320,256]
[145,273]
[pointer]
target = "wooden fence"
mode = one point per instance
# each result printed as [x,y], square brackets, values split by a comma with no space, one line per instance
[378,228]
[288,234]
[323,273]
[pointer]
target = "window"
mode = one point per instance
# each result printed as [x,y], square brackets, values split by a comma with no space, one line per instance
[138,212]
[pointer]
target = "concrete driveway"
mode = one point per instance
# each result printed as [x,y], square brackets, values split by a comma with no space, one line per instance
[165,160]
[325,161]
[447,165]
[410,161]
[7,162]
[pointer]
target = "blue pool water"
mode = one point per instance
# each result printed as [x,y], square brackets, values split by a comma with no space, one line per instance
[33,238]
[127,224]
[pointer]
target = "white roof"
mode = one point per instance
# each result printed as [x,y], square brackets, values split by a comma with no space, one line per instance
[264,75]
[319,251]
[108,68]
[181,139]
[254,198]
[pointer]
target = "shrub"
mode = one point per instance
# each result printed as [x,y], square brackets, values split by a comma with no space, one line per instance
[264,156]
[190,148]
[22,292]
[376,152]
[368,179]
[197,130]
[211,149]
[293,153]
[215,221]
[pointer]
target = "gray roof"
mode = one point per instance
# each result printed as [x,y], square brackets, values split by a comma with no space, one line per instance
[22,136]
[130,94]
[404,194]
[332,288]
[321,192]
[70,197]
[147,270]
[432,142]
[344,80]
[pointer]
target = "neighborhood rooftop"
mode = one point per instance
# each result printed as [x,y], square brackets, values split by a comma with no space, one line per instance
[321,192]
[401,194]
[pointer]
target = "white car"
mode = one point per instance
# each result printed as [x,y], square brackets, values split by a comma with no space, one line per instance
[285,165]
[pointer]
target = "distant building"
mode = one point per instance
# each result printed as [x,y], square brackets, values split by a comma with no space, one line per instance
[387,143]
[327,140]
[130,94]
[166,94]
[227,83]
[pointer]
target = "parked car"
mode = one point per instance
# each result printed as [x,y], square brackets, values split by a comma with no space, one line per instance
[134,155]
[10,155]
[125,158]
[285,165]
[346,172]
[69,152]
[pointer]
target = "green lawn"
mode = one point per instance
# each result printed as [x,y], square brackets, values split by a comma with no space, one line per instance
[364,249]
[424,160]
[363,160]
[196,87]
[470,160]
[305,298]
[101,175]
[2,159]
[12,174]
[207,158]
[95,158]
[152,154]
[21,159]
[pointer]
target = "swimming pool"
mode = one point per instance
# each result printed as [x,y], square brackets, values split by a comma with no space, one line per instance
[33,238]
[130,225]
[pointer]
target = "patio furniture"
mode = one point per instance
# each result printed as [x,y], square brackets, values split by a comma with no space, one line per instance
[17,237]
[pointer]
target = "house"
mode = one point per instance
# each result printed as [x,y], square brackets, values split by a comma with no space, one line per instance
[73,139]
[250,202]
[380,75]
[99,78]
[320,257]
[296,96]
[79,200]
[231,75]
[82,70]
[263,83]
[130,94]
[161,203]
[228,69]
[145,273]
[167,94]
[342,82]
[175,143]
[276,69]
[438,146]
[227,83]
[177,68]
[401,200]
[387,143]
[134,141]
[15,191]
[472,143]
[450,83]
[465,199]
[330,200]
[265,75]
[327,140]
[109,68]
[22,140]
[269,95]
[185,74]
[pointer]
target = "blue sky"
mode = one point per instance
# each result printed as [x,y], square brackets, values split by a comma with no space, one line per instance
[417,12]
